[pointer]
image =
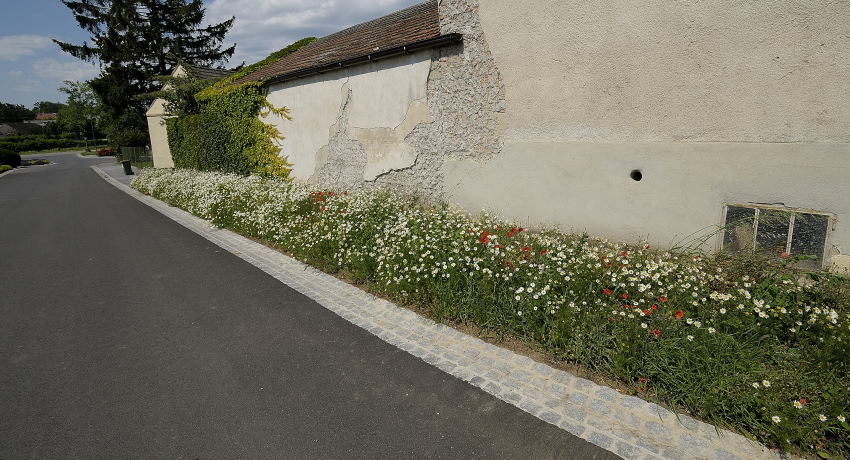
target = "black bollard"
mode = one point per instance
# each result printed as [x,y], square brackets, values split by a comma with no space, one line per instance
[127,169]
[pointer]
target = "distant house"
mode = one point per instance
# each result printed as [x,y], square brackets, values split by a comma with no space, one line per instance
[19,129]
[157,115]
[42,119]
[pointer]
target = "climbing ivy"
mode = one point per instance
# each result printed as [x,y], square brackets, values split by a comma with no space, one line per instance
[227,133]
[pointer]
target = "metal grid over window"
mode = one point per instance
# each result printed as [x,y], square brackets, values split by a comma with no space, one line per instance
[775,230]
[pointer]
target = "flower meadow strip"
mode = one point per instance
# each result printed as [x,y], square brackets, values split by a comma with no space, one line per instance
[762,351]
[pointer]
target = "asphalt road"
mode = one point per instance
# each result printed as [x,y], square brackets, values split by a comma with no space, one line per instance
[123,334]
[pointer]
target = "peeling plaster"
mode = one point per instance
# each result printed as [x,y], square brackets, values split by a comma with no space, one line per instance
[386,149]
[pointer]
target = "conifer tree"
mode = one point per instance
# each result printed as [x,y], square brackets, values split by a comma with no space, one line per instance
[136,41]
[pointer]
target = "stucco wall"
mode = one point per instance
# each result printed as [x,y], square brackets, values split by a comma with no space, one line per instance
[160,151]
[370,108]
[657,70]
[544,110]
[713,101]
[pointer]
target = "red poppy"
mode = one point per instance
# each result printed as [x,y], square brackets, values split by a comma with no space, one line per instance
[804,401]
[656,332]
[610,264]
[647,246]
[610,319]
[624,253]
[662,299]
[606,291]
[485,238]
[643,380]
[510,234]
[646,312]
[679,314]
[500,246]
[330,193]
[624,295]
[508,263]
[324,209]
[520,229]
[345,193]
[543,251]
[654,307]
[526,249]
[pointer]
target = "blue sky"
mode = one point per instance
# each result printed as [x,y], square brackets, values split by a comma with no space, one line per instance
[32,67]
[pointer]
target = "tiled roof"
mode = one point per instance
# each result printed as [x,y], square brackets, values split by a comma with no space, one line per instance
[411,25]
[205,73]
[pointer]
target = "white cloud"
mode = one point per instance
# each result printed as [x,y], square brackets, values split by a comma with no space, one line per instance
[13,47]
[264,26]
[56,71]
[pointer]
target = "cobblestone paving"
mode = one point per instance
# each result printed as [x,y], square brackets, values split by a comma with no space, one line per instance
[623,424]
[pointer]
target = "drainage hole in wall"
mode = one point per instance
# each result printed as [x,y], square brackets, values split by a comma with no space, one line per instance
[636,175]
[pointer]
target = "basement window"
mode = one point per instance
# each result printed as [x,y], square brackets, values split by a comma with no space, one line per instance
[774,230]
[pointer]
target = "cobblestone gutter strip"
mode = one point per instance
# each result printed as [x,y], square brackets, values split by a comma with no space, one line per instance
[625,425]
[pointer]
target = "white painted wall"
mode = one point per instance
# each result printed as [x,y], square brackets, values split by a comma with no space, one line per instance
[382,94]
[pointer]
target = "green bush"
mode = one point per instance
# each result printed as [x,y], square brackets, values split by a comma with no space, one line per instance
[39,142]
[4,168]
[10,158]
[743,343]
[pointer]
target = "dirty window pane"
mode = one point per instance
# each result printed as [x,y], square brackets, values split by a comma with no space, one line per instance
[809,234]
[739,228]
[772,233]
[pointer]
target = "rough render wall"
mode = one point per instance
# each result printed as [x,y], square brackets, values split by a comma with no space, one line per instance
[657,70]
[713,101]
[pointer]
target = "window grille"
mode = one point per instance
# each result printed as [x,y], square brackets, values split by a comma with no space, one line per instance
[776,229]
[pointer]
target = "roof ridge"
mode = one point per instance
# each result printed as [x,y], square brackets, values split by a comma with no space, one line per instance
[414,24]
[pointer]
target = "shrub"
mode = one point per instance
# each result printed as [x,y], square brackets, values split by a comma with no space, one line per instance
[764,350]
[38,142]
[10,158]
[4,168]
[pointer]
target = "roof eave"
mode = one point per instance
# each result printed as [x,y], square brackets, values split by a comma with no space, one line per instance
[442,40]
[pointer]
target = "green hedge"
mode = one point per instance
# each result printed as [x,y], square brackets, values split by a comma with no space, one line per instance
[38,142]
[226,136]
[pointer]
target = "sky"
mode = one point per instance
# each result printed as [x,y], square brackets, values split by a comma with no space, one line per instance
[32,67]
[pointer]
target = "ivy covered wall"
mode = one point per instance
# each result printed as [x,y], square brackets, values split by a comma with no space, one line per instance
[225,131]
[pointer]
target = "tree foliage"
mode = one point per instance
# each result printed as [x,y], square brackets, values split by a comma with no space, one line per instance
[47,107]
[135,41]
[80,114]
[14,112]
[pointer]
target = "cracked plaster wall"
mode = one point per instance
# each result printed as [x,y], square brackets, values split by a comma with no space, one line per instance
[351,125]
